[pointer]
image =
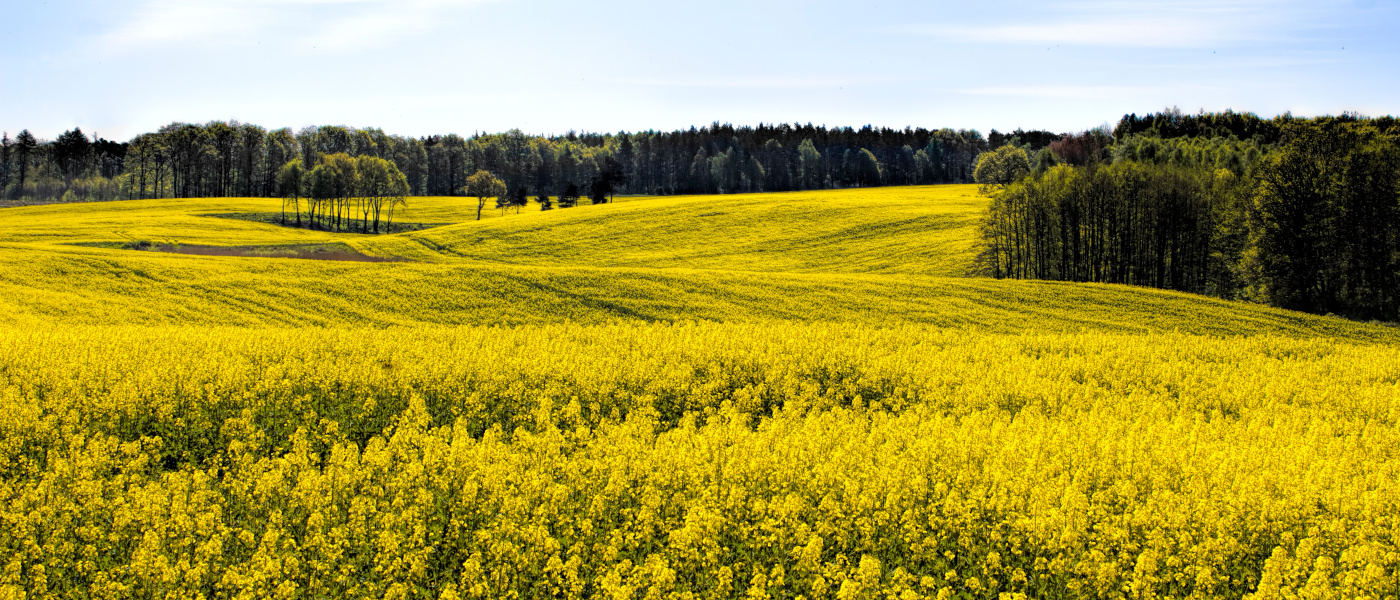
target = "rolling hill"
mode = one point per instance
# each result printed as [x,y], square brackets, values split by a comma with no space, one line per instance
[879,256]
[760,396]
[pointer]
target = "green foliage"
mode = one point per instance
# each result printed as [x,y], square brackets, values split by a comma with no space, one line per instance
[1326,223]
[1171,123]
[290,178]
[1126,223]
[1001,167]
[1239,157]
[1043,161]
[866,169]
[381,186]
[1311,224]
[568,198]
[809,165]
[483,185]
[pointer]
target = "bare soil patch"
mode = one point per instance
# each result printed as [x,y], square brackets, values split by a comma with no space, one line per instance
[339,252]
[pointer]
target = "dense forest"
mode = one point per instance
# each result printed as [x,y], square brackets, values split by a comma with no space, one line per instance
[240,159]
[1299,213]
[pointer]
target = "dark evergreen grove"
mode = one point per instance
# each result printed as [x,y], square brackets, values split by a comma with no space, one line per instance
[240,159]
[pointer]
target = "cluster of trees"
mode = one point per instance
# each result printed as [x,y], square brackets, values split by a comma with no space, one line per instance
[1235,155]
[1128,222]
[1171,123]
[1309,221]
[1325,228]
[71,167]
[1012,158]
[242,159]
[342,192]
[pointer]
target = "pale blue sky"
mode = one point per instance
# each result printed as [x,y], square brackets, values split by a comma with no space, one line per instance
[415,67]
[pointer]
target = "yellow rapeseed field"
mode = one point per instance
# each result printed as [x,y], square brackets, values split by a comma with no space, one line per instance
[627,401]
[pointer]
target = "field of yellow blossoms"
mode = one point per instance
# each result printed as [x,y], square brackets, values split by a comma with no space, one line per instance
[703,460]
[752,396]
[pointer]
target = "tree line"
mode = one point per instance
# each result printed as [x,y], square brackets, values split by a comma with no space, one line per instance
[1302,214]
[221,158]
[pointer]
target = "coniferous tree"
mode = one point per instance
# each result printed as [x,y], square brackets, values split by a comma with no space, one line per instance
[569,197]
[24,149]
[72,152]
[6,163]
[520,198]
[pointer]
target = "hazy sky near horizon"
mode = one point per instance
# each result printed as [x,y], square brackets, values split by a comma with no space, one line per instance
[418,67]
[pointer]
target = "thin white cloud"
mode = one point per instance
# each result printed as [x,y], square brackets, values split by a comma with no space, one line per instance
[1095,92]
[753,82]
[307,23]
[167,21]
[1144,32]
[1115,23]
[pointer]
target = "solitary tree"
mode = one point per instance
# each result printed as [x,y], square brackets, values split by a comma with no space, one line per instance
[483,185]
[611,175]
[569,198]
[544,201]
[503,202]
[597,191]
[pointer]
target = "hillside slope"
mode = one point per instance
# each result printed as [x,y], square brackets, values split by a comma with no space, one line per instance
[665,397]
[79,285]
[878,256]
[926,230]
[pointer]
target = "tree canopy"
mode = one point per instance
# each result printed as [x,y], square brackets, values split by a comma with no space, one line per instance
[483,185]
[1001,167]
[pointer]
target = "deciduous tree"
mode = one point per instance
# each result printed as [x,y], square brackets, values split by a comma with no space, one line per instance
[1001,167]
[483,185]
[289,182]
